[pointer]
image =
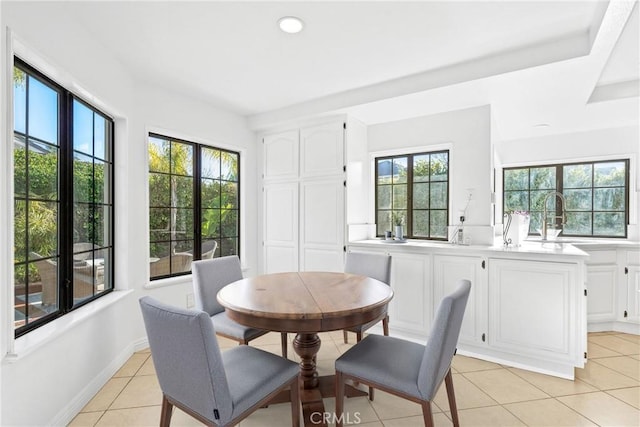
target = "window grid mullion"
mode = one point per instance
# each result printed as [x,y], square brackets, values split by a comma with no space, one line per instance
[593,194]
[197,202]
[409,208]
[65,210]
[27,202]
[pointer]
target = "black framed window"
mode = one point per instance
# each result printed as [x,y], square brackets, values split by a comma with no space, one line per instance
[596,194]
[413,189]
[63,200]
[194,208]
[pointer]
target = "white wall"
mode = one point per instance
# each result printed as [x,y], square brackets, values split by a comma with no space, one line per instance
[612,143]
[48,380]
[468,132]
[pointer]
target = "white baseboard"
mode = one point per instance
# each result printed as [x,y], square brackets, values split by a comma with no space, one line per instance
[615,326]
[66,414]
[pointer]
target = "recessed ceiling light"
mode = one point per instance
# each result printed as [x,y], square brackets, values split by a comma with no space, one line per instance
[291,24]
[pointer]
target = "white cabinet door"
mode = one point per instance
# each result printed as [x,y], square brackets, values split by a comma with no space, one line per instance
[533,309]
[281,156]
[322,150]
[410,308]
[448,270]
[601,292]
[322,225]
[280,227]
[633,293]
[304,199]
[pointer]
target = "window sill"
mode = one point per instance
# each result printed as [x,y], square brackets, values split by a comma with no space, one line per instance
[169,281]
[37,338]
[179,280]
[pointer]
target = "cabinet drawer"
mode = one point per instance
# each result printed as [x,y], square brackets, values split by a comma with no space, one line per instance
[602,257]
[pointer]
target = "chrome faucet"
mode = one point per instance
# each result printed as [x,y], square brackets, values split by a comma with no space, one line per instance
[545,214]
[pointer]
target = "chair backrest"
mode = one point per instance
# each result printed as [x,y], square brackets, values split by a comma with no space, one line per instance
[86,250]
[376,266]
[83,279]
[210,249]
[175,263]
[48,271]
[211,275]
[443,339]
[187,358]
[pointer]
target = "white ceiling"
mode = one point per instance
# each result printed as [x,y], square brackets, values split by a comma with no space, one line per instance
[532,61]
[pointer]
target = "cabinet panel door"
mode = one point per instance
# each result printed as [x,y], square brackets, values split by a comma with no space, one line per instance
[280,259]
[633,294]
[322,150]
[280,235]
[448,270]
[317,259]
[322,225]
[532,308]
[601,297]
[410,308]
[281,155]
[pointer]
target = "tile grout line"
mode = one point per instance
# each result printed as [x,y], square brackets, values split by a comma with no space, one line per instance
[618,399]
[579,413]
[331,338]
[598,389]
[617,371]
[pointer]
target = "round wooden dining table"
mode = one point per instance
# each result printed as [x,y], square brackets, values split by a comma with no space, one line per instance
[306,303]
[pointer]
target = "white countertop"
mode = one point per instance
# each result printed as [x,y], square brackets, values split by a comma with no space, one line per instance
[528,247]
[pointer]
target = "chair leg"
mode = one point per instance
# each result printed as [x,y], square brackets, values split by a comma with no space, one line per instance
[295,403]
[448,380]
[426,414]
[283,342]
[339,398]
[165,414]
[385,326]
[358,336]
[371,393]
[345,337]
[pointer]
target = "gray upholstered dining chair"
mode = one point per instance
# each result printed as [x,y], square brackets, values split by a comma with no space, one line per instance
[407,369]
[211,275]
[376,266]
[218,389]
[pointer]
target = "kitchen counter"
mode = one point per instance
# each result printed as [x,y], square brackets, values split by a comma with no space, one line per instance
[527,307]
[554,248]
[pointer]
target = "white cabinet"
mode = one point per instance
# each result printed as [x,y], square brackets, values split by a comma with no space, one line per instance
[527,307]
[633,293]
[281,236]
[280,156]
[304,199]
[447,271]
[534,309]
[613,285]
[410,309]
[322,150]
[322,225]
[602,283]
[631,286]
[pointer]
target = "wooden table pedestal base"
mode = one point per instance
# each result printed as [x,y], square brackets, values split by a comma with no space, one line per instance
[312,404]
[312,387]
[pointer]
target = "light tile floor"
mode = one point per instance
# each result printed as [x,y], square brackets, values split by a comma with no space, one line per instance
[605,393]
